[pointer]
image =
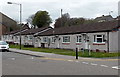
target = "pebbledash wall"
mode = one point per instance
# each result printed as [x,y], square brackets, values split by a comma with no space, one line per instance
[111,44]
[114,42]
[119,40]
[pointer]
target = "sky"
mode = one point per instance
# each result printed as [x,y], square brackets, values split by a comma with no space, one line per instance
[76,8]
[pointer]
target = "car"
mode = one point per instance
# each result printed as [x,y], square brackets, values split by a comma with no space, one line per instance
[4,46]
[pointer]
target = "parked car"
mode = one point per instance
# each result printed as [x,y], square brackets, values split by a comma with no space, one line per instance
[4,46]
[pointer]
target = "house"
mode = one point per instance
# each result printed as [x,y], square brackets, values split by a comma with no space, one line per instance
[104,18]
[10,36]
[28,35]
[5,24]
[2,30]
[98,36]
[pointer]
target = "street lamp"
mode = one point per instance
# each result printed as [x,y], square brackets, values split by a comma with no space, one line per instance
[20,17]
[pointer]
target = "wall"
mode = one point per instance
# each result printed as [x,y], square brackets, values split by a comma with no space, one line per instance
[119,40]
[0,25]
[73,45]
[113,41]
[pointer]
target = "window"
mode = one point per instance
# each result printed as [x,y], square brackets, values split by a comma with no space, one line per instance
[99,38]
[45,39]
[16,37]
[66,39]
[26,37]
[30,37]
[79,39]
[53,39]
[36,40]
[12,37]
[5,37]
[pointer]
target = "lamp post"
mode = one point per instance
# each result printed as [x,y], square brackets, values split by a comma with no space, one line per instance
[20,17]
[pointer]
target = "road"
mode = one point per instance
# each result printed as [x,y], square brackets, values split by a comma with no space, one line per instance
[19,64]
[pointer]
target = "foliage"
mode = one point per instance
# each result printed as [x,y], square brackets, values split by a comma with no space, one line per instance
[62,21]
[41,18]
[30,19]
[65,20]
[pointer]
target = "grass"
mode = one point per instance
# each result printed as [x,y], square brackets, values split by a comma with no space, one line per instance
[69,52]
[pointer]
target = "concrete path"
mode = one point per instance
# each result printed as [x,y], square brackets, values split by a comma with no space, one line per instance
[50,55]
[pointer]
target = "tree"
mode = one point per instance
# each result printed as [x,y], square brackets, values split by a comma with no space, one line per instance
[30,19]
[62,21]
[67,21]
[76,21]
[41,18]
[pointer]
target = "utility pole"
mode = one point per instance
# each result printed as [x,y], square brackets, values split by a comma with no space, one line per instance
[61,16]
[20,17]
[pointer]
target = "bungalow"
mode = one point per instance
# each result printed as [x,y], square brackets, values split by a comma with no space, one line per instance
[28,35]
[10,36]
[98,36]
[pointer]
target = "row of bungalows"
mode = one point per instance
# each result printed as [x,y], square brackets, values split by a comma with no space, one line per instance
[11,37]
[27,35]
[100,36]
[97,36]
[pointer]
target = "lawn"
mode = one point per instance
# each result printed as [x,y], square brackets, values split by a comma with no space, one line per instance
[69,52]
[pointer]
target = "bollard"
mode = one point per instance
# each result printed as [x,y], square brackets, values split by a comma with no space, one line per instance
[76,53]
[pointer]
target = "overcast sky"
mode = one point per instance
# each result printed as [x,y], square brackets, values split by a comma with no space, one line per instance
[76,8]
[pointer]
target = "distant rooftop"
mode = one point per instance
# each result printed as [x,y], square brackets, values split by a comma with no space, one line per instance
[104,18]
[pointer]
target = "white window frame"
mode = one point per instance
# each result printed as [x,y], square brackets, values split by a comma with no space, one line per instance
[66,38]
[78,39]
[30,37]
[25,37]
[53,39]
[96,37]
[36,40]
[45,39]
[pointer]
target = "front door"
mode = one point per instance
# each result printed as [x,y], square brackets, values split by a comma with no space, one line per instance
[86,45]
[86,42]
[42,45]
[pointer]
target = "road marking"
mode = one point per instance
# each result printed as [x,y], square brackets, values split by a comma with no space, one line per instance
[77,61]
[70,60]
[54,59]
[13,58]
[32,58]
[104,65]
[116,67]
[85,62]
[81,59]
[94,64]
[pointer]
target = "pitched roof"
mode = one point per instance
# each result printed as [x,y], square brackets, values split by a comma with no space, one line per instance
[33,31]
[24,27]
[104,18]
[86,28]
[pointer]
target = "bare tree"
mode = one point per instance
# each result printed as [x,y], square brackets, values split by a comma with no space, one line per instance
[30,19]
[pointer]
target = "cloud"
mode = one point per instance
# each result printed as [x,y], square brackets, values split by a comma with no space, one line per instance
[76,8]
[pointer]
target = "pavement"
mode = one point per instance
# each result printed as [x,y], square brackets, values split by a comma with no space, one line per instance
[59,57]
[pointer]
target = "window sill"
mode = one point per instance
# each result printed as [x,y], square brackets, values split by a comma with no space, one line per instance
[99,43]
[78,43]
[66,43]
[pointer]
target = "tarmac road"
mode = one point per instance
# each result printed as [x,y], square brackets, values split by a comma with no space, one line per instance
[20,64]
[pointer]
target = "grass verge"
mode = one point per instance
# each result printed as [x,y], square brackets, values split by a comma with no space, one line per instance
[69,52]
